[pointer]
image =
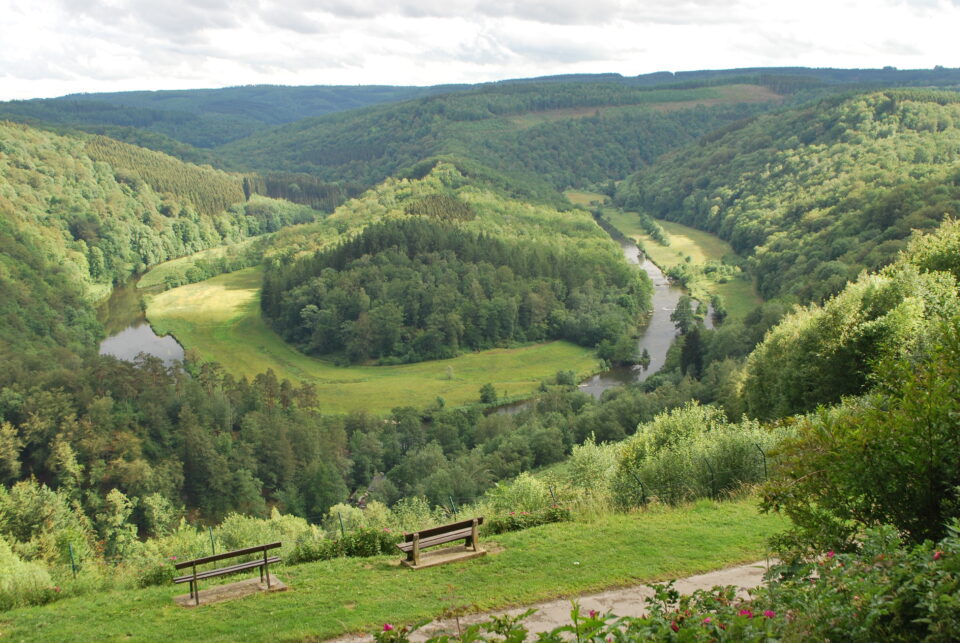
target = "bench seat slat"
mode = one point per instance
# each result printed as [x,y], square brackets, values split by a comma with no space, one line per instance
[432,531]
[239,567]
[439,539]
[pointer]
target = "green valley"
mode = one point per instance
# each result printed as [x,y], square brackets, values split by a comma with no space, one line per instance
[365,279]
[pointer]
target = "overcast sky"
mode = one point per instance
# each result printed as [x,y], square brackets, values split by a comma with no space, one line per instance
[55,47]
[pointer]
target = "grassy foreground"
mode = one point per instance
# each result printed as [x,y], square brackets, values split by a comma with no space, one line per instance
[220,319]
[347,595]
[739,295]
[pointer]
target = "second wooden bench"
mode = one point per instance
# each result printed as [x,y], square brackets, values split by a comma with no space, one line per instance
[262,563]
[465,530]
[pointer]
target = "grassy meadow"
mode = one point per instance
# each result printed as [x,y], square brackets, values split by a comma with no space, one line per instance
[334,597]
[220,320]
[584,198]
[739,295]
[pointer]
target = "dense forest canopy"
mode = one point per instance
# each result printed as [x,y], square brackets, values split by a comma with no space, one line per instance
[817,194]
[483,124]
[445,266]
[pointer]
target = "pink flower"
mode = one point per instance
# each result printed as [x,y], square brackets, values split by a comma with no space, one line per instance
[769,613]
[674,626]
[707,620]
[173,558]
[387,627]
[746,613]
[56,588]
[593,613]
[830,554]
[937,555]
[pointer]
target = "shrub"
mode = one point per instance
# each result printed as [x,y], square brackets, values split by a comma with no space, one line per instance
[516,521]
[22,582]
[691,452]
[886,459]
[523,493]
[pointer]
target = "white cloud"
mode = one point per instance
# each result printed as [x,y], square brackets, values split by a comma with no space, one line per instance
[62,46]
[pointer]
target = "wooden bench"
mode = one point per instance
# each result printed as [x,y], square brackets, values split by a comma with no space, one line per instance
[263,564]
[465,530]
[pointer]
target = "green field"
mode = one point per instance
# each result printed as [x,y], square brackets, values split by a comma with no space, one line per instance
[739,295]
[158,275]
[334,597]
[584,198]
[220,320]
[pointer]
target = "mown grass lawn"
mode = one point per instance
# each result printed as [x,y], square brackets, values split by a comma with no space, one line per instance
[220,319]
[739,295]
[358,595]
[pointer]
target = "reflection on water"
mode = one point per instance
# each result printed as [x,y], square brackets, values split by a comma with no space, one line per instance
[129,334]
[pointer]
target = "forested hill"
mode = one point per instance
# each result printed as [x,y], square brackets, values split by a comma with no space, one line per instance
[544,134]
[817,194]
[436,265]
[79,214]
[203,117]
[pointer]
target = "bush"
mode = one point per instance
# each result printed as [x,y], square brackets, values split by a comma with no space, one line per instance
[361,543]
[516,521]
[21,582]
[886,459]
[523,493]
[157,572]
[688,453]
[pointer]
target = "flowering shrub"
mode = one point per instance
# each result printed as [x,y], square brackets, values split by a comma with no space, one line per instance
[517,520]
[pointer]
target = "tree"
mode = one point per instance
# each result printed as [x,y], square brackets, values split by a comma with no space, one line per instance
[889,458]
[488,394]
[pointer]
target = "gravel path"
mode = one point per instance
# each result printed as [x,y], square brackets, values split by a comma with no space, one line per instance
[628,601]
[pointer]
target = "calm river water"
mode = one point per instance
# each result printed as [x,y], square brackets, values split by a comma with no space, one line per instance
[128,333]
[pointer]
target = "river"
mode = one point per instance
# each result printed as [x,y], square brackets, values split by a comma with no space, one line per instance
[657,333]
[128,332]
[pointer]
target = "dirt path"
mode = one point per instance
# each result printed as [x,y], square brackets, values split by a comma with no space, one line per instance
[628,601]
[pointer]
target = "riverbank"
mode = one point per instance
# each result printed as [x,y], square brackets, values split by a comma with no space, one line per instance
[689,246]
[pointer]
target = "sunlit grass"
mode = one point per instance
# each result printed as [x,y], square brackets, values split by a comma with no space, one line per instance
[220,319]
[584,198]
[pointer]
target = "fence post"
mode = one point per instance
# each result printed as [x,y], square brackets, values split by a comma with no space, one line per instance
[73,563]
[713,479]
[643,489]
[213,547]
[763,457]
[453,505]
[343,532]
[553,495]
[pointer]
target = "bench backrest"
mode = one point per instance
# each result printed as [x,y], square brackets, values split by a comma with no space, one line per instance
[227,554]
[434,531]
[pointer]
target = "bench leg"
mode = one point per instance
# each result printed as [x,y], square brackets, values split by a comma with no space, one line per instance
[266,566]
[473,535]
[416,550]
